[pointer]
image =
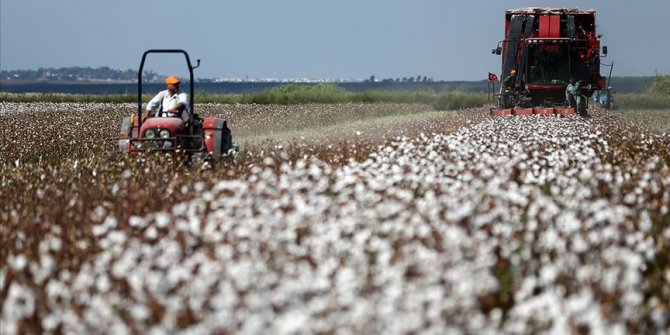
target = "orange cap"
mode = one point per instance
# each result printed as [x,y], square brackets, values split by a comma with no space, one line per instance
[172,80]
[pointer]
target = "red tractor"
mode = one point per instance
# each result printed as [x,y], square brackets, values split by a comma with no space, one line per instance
[545,47]
[208,136]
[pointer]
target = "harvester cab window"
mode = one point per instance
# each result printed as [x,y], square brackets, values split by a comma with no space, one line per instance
[548,64]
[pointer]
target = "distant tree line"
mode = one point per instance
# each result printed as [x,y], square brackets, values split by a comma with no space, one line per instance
[417,79]
[77,73]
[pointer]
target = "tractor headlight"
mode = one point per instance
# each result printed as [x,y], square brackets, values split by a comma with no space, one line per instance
[167,145]
[164,133]
[150,133]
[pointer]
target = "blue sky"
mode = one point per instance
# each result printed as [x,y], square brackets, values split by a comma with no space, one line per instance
[447,40]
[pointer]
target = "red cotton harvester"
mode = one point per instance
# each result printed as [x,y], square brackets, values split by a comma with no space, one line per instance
[545,48]
[208,137]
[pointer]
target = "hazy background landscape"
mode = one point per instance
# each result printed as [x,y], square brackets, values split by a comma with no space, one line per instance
[350,39]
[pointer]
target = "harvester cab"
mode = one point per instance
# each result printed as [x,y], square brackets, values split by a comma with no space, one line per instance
[546,47]
[208,136]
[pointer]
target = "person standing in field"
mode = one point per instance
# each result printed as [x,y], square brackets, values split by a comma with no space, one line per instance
[170,102]
[573,97]
[506,87]
[508,83]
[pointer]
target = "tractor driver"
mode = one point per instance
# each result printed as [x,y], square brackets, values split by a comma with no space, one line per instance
[170,102]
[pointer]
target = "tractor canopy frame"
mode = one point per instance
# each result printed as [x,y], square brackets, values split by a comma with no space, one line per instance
[139,79]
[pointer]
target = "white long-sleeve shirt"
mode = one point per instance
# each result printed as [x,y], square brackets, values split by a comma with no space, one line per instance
[169,102]
[572,88]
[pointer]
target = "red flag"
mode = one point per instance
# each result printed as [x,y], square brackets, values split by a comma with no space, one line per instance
[493,77]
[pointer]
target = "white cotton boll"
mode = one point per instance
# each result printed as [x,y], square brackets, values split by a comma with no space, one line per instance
[139,312]
[579,245]
[136,221]
[162,220]
[659,316]
[99,230]
[46,268]
[241,274]
[117,237]
[632,299]
[179,209]
[548,274]
[118,327]
[268,161]
[151,233]
[51,321]
[345,282]
[55,243]
[225,300]
[18,263]
[291,322]
[82,245]
[224,251]
[177,274]
[20,303]
[254,324]
[581,304]
[154,282]
[645,223]
[110,222]
[199,187]
[10,326]
[103,284]
[98,213]
[461,212]
[194,225]
[629,199]
[84,279]
[126,174]
[57,293]
[568,223]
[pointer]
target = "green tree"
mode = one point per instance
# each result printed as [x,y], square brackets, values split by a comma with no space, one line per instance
[660,86]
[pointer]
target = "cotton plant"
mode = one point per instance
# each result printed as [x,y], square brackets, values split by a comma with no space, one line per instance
[508,225]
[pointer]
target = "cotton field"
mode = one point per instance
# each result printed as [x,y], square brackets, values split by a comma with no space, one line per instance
[464,225]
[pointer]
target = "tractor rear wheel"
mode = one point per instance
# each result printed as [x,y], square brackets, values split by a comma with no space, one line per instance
[226,140]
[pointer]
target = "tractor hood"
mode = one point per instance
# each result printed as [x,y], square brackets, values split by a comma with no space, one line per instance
[173,124]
